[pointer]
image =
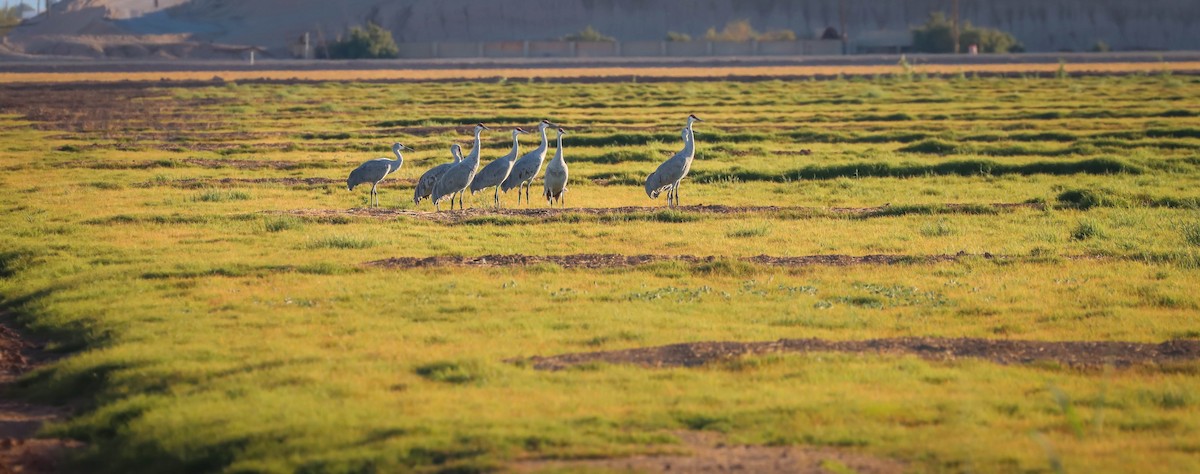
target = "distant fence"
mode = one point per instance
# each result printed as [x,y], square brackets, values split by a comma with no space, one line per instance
[615,49]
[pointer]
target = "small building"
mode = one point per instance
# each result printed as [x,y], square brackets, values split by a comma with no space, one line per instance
[25,11]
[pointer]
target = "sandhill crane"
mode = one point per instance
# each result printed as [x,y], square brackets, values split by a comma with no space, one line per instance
[425,184]
[456,179]
[497,171]
[374,171]
[526,168]
[555,180]
[671,172]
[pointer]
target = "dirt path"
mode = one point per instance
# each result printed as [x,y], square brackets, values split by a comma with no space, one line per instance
[193,183]
[685,69]
[709,453]
[20,451]
[459,216]
[607,260]
[1076,354]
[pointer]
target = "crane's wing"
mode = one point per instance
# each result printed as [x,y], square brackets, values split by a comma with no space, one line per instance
[369,172]
[663,177]
[490,175]
[520,173]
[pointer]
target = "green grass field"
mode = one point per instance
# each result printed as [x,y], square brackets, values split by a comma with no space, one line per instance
[207,325]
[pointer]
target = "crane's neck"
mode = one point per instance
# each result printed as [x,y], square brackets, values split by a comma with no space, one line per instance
[558,155]
[399,158]
[516,146]
[689,123]
[689,144]
[474,156]
[545,140]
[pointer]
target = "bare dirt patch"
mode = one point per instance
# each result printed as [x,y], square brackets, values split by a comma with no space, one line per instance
[600,260]
[19,421]
[194,183]
[1075,354]
[466,215]
[112,109]
[709,453]
[244,164]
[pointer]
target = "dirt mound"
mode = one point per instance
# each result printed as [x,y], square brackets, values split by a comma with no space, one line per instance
[1077,354]
[19,422]
[709,453]
[599,260]
[12,352]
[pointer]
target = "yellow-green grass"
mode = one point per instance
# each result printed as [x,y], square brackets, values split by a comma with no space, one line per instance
[204,328]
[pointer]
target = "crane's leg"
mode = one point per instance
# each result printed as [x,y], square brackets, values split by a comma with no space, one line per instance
[371,200]
[518,195]
[460,199]
[528,184]
[496,197]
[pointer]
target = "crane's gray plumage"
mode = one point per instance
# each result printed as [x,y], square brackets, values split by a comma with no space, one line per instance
[555,180]
[425,184]
[526,168]
[456,179]
[671,172]
[374,171]
[497,171]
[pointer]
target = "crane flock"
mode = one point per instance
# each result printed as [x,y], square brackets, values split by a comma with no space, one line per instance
[515,171]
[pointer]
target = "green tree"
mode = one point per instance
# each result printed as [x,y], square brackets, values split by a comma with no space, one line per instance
[737,30]
[741,30]
[937,36]
[372,42]
[676,36]
[778,35]
[8,19]
[589,34]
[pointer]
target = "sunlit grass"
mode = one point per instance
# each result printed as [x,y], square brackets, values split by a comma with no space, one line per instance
[206,326]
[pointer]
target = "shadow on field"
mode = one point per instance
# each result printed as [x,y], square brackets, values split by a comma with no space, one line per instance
[1074,354]
[659,214]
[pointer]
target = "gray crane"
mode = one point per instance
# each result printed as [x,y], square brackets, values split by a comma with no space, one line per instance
[526,168]
[497,171]
[555,180]
[374,171]
[425,184]
[458,178]
[671,172]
